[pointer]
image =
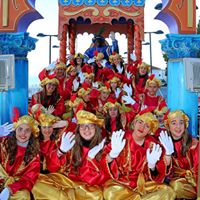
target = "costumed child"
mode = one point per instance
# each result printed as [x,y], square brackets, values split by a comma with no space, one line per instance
[139,169]
[78,161]
[150,97]
[183,152]
[19,158]
[49,97]
[50,127]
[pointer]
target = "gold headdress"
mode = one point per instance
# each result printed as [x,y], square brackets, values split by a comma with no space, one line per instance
[85,117]
[47,80]
[148,118]
[153,80]
[26,119]
[47,119]
[174,114]
[111,103]
[143,64]
[60,65]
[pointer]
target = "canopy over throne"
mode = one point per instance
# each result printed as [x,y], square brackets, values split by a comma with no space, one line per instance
[79,16]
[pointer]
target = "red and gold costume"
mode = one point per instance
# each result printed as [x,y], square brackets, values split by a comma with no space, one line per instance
[132,175]
[59,107]
[69,183]
[19,177]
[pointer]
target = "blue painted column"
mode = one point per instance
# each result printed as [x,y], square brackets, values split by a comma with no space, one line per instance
[177,47]
[18,44]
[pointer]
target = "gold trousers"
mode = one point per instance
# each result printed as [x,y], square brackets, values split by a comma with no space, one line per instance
[56,186]
[153,191]
[183,189]
[21,195]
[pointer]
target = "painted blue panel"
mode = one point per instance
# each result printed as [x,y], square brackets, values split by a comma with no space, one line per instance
[179,97]
[89,2]
[114,2]
[102,2]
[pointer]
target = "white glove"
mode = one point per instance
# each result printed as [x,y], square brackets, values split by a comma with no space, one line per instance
[117,143]
[81,76]
[95,85]
[51,67]
[5,194]
[143,107]
[117,92]
[75,84]
[120,69]
[112,35]
[133,56]
[128,100]
[91,60]
[103,62]
[95,150]
[6,129]
[50,109]
[167,143]
[128,75]
[67,141]
[153,155]
[128,89]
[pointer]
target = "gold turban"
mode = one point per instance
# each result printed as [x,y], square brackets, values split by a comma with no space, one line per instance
[150,119]
[47,119]
[26,119]
[85,117]
[174,114]
[49,80]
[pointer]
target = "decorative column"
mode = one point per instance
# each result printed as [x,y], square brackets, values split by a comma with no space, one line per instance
[137,42]
[63,44]
[177,47]
[18,44]
[130,41]
[72,38]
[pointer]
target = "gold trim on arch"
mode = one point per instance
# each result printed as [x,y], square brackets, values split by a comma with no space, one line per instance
[132,14]
[95,11]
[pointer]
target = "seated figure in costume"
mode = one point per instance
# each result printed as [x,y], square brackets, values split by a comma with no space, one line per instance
[78,162]
[139,169]
[182,155]
[101,45]
[19,158]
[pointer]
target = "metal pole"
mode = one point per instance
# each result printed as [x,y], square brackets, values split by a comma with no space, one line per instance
[150,51]
[49,49]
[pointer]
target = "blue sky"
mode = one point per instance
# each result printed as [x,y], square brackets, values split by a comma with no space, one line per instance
[39,58]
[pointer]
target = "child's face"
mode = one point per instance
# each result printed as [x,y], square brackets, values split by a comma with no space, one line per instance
[23,133]
[177,127]
[152,89]
[141,128]
[46,132]
[142,70]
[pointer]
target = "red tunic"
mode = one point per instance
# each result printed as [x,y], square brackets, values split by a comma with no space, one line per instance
[90,171]
[65,84]
[25,176]
[153,101]
[127,167]
[59,107]
[188,162]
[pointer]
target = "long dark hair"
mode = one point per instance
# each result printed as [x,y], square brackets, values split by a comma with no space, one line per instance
[49,100]
[108,122]
[77,149]
[53,136]
[31,151]
[138,76]
[186,144]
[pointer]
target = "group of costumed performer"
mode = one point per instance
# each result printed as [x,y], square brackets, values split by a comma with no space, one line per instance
[133,165]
